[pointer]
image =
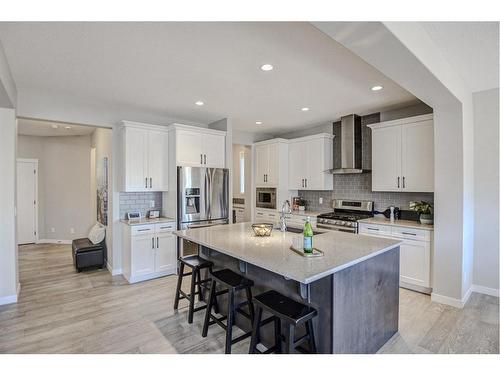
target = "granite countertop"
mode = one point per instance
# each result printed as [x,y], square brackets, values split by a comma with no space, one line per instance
[147,221]
[273,253]
[397,223]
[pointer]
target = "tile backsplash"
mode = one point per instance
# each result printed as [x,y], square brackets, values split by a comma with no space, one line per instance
[132,202]
[359,186]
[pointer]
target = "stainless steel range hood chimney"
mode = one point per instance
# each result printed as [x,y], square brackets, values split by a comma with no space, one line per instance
[347,146]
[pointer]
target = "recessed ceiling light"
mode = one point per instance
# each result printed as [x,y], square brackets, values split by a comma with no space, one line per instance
[377,88]
[267,67]
[54,126]
[199,102]
[67,127]
[305,109]
[258,122]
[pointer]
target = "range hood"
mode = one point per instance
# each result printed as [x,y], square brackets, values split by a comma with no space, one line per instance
[347,146]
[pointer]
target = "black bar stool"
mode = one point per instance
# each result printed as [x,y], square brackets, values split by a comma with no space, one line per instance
[232,282]
[289,311]
[196,264]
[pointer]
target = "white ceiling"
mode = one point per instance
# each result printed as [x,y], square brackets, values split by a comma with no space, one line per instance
[165,67]
[44,128]
[472,48]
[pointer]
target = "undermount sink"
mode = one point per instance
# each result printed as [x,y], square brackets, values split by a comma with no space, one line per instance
[300,230]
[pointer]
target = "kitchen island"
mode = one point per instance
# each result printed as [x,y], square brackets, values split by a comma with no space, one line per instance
[354,286]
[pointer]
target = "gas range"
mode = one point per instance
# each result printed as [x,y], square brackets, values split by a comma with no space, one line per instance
[345,216]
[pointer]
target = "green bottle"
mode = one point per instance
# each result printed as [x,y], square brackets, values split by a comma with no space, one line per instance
[308,236]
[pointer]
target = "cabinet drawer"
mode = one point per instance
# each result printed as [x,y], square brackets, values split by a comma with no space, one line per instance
[411,233]
[165,227]
[138,230]
[375,229]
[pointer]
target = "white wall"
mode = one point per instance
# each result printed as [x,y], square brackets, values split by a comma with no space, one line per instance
[486,189]
[64,184]
[8,249]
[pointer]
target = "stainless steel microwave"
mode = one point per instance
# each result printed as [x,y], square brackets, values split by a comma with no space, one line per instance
[266,198]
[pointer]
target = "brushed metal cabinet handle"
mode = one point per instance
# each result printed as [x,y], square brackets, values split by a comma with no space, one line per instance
[157,242]
[398,182]
[403,182]
[410,234]
[201,158]
[150,182]
[306,182]
[146,182]
[205,156]
[373,229]
[153,243]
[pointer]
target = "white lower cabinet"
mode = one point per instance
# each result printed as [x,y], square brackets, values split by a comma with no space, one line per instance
[415,253]
[149,251]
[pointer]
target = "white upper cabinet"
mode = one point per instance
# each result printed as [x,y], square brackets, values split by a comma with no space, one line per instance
[309,159]
[199,147]
[267,162]
[417,156]
[403,155]
[145,157]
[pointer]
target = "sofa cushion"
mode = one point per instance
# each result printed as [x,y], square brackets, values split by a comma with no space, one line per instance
[97,234]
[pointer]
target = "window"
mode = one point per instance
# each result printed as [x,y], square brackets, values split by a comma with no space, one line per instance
[242,172]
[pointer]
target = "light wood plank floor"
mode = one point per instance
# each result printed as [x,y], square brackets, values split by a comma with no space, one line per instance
[62,311]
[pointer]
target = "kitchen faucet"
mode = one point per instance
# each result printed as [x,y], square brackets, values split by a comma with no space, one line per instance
[284,206]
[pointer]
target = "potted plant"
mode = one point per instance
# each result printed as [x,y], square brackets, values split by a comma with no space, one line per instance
[425,211]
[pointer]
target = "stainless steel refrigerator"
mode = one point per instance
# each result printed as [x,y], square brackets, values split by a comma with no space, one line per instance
[202,197]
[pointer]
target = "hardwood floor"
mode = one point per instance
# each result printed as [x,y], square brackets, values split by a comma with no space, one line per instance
[62,311]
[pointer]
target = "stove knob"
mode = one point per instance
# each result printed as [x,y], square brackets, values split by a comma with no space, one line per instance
[342,223]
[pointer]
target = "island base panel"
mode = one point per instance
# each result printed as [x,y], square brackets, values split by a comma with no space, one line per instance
[357,307]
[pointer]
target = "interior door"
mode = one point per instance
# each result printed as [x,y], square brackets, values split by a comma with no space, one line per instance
[297,152]
[136,142]
[418,156]
[214,150]
[261,164]
[189,148]
[386,159]
[166,253]
[158,160]
[27,200]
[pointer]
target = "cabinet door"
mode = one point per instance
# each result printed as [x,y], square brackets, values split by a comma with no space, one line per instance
[189,148]
[143,261]
[261,164]
[158,161]
[165,252]
[136,162]
[415,261]
[273,164]
[386,159]
[418,156]
[214,154]
[314,170]
[297,152]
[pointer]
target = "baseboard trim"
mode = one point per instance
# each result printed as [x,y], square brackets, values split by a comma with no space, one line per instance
[113,272]
[8,299]
[60,242]
[486,290]
[455,302]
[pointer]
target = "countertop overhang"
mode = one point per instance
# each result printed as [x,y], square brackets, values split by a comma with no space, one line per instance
[341,250]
